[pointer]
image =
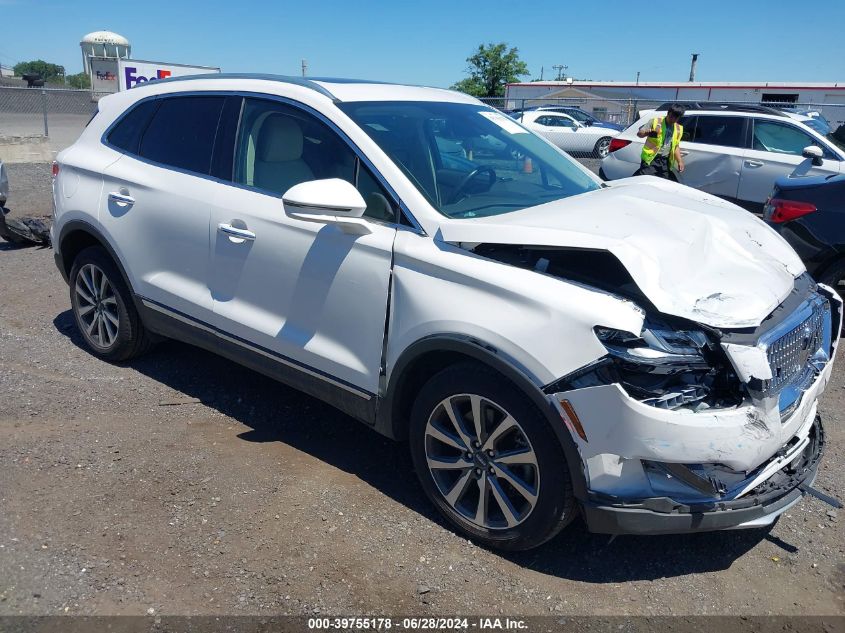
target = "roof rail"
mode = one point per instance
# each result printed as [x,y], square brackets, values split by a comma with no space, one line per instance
[299,81]
[721,106]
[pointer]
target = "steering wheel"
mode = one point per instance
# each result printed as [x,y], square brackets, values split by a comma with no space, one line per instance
[468,178]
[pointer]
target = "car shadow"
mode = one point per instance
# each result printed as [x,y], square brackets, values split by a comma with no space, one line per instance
[276,413]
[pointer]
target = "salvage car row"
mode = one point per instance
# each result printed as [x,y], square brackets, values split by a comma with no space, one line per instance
[640,353]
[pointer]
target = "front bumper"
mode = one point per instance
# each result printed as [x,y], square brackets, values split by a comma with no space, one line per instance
[657,471]
[662,515]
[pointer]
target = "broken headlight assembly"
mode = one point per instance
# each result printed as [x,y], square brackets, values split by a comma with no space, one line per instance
[668,368]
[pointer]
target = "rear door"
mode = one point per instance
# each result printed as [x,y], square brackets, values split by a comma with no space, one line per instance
[156,198]
[776,148]
[712,148]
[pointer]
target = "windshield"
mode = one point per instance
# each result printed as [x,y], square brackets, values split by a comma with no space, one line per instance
[469,160]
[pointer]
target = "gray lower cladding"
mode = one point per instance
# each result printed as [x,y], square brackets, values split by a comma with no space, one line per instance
[663,515]
[169,323]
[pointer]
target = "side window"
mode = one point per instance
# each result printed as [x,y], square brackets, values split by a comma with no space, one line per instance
[688,123]
[726,131]
[181,133]
[126,135]
[772,136]
[279,146]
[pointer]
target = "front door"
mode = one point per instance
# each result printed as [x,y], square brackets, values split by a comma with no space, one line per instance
[776,150]
[307,292]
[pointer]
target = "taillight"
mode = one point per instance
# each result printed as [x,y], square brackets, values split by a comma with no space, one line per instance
[55,169]
[618,143]
[778,210]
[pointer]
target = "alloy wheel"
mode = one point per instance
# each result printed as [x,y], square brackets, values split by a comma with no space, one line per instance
[603,148]
[96,306]
[482,461]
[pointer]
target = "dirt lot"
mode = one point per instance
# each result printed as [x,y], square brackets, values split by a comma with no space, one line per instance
[183,483]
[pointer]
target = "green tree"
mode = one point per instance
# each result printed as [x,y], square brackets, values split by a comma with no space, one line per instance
[49,72]
[490,69]
[79,80]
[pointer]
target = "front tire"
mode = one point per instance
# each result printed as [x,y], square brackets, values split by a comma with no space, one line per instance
[103,308]
[488,460]
[602,148]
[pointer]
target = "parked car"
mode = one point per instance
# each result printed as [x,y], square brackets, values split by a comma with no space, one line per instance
[568,134]
[583,117]
[815,120]
[548,345]
[735,152]
[4,184]
[810,214]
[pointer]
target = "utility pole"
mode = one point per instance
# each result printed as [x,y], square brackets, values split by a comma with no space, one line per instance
[304,67]
[541,73]
[561,74]
[692,66]
[638,77]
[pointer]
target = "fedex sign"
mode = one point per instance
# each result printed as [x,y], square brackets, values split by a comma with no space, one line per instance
[134,72]
[132,78]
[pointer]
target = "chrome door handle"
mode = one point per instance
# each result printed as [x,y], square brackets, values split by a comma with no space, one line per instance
[241,234]
[753,163]
[121,198]
[684,153]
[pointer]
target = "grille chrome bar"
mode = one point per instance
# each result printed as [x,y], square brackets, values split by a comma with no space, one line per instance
[797,350]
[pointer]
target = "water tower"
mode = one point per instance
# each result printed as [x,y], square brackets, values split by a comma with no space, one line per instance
[100,52]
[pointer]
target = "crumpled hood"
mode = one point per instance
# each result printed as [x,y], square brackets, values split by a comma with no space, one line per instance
[692,254]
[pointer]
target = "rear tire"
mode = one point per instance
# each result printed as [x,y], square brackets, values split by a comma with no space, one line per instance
[507,489]
[103,308]
[602,148]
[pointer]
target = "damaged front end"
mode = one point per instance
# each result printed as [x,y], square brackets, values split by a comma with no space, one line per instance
[689,429]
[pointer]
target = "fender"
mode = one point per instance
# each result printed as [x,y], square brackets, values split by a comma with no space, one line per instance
[390,423]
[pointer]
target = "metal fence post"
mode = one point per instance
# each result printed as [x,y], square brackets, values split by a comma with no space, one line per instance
[44,107]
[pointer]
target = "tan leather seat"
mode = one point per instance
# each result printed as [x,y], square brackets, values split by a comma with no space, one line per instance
[278,164]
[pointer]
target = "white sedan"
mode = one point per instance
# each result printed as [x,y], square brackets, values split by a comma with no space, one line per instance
[568,134]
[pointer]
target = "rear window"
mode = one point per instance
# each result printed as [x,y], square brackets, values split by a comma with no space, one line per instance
[727,131]
[126,135]
[181,132]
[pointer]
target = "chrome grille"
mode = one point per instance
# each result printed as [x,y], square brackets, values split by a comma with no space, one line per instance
[791,354]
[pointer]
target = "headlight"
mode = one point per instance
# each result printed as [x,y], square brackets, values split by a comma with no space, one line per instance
[657,350]
[662,367]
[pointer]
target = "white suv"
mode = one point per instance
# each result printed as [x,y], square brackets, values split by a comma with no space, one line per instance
[735,152]
[642,353]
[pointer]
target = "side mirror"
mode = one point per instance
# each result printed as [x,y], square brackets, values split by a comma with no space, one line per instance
[329,200]
[814,152]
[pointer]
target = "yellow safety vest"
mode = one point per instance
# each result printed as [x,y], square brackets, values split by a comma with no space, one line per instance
[653,143]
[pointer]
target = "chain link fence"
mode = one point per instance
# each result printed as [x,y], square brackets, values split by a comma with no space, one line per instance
[50,119]
[35,121]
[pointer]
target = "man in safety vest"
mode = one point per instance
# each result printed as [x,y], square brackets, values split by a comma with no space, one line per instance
[662,148]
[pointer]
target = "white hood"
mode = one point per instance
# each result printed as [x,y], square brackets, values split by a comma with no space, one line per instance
[692,254]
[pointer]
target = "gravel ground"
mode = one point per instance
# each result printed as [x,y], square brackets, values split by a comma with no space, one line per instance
[183,483]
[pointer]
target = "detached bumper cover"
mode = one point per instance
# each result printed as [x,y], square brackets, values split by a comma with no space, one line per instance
[662,515]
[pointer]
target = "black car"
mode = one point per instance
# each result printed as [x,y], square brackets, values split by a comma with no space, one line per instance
[810,214]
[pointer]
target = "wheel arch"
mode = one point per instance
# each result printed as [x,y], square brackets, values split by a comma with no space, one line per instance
[430,355]
[76,236]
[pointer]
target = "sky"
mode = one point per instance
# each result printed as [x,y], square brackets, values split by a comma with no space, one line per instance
[427,41]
